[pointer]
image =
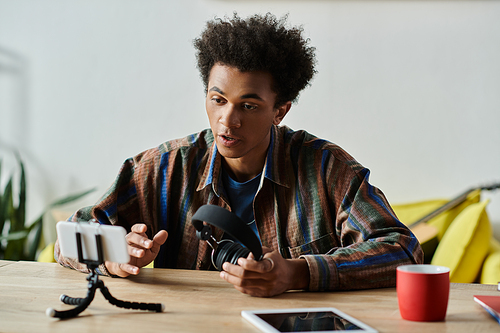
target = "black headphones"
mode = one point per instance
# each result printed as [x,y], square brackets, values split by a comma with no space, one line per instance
[226,249]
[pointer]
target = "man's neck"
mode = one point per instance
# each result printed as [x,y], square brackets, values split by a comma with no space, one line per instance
[240,171]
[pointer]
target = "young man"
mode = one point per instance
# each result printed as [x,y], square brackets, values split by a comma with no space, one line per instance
[321,224]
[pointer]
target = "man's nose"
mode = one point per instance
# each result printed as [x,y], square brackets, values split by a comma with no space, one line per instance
[230,117]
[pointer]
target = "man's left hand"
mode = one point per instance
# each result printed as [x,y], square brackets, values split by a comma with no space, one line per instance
[273,275]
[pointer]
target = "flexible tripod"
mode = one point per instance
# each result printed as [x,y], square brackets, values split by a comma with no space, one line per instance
[94,283]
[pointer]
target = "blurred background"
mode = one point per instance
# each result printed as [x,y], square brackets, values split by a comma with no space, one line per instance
[410,88]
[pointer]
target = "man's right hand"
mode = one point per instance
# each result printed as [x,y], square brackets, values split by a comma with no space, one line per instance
[141,249]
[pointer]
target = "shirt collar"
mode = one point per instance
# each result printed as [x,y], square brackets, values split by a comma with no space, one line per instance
[275,167]
[277,164]
[211,173]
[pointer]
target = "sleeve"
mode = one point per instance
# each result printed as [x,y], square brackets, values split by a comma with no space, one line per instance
[373,243]
[122,204]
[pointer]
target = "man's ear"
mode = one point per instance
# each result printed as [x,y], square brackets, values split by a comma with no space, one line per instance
[281,112]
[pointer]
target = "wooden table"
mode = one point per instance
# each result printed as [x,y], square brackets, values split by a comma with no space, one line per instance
[199,301]
[6,262]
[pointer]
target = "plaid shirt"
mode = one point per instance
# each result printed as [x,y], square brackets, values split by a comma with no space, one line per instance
[314,202]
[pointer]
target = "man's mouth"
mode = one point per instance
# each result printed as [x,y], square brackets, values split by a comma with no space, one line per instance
[228,140]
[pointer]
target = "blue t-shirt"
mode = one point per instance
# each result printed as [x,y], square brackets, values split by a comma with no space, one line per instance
[241,197]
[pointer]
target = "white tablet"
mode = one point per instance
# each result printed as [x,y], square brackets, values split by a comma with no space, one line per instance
[113,241]
[305,320]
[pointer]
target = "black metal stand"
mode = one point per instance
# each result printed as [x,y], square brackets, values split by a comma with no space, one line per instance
[94,283]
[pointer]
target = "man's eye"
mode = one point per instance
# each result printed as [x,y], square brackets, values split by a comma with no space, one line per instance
[217,100]
[249,107]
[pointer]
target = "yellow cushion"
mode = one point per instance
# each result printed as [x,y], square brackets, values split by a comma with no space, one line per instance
[494,246]
[466,243]
[47,254]
[490,274]
[412,212]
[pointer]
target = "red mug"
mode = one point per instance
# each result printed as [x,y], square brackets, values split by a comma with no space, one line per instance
[423,292]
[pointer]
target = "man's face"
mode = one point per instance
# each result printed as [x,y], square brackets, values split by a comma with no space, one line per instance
[240,108]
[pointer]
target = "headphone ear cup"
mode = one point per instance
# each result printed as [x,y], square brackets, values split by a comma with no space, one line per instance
[229,222]
[229,252]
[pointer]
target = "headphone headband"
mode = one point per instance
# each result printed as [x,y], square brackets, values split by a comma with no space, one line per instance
[230,223]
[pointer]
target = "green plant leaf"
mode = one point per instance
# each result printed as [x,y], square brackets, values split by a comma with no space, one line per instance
[60,202]
[13,241]
[70,198]
[18,235]
[21,206]
[15,246]
[33,247]
[13,216]
[37,226]
[5,204]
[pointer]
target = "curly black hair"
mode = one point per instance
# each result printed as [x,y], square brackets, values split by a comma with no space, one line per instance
[258,43]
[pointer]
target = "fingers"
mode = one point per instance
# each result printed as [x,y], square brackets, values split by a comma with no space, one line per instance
[158,240]
[129,269]
[249,269]
[266,249]
[137,237]
[139,228]
[135,252]
[160,237]
[272,264]
[238,276]
[141,249]
[265,265]
[121,270]
[250,283]
[258,278]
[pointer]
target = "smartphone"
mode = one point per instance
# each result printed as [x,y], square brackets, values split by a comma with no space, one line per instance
[114,245]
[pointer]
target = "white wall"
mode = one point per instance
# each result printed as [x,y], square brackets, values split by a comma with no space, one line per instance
[410,88]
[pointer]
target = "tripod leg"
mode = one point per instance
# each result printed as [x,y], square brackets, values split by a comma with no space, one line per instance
[83,303]
[157,307]
[71,300]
